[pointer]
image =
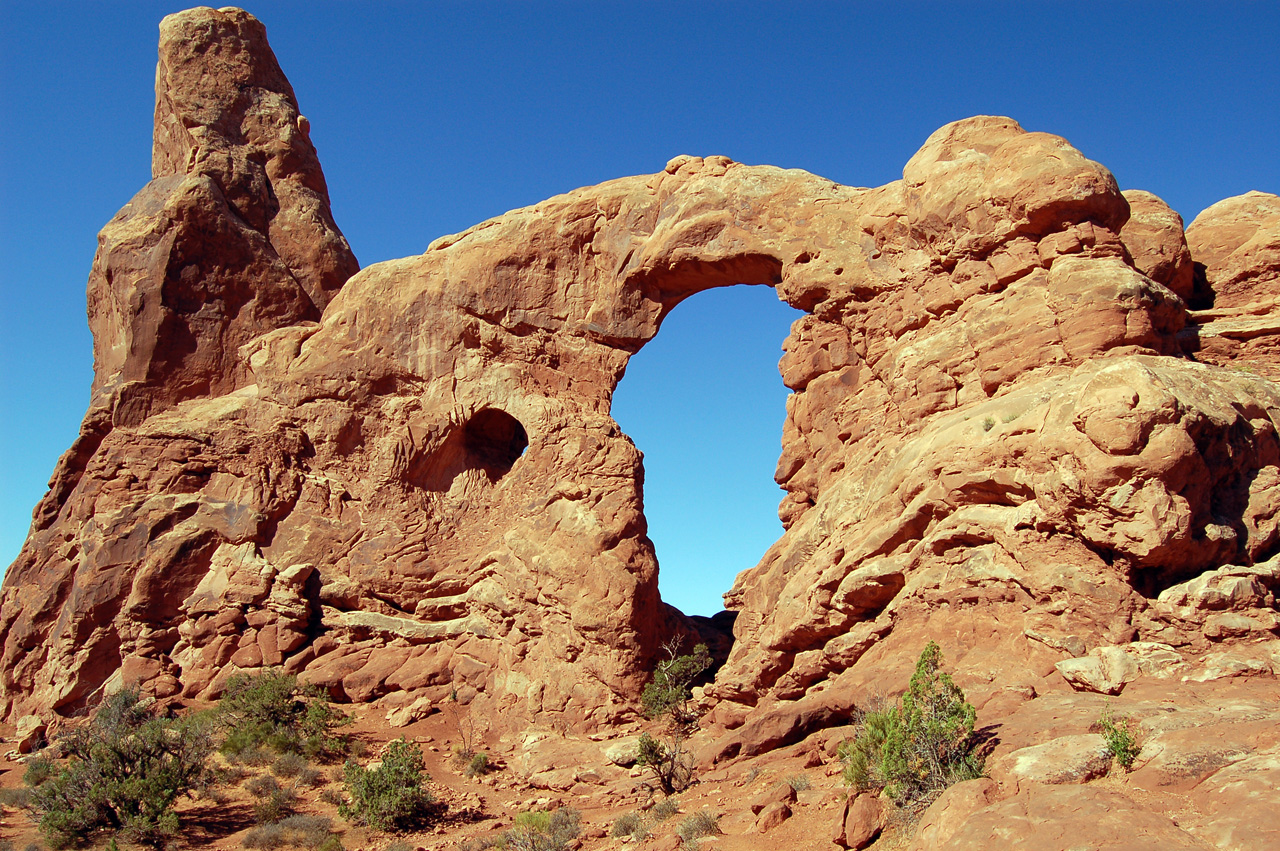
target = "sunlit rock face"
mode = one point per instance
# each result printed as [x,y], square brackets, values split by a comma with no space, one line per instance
[1007,431]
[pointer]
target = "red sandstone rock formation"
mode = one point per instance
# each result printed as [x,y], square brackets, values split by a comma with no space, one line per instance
[1008,433]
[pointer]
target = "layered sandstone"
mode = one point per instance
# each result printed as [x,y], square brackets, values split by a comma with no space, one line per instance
[1007,433]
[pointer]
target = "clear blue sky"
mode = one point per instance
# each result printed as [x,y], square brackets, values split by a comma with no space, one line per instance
[430,117]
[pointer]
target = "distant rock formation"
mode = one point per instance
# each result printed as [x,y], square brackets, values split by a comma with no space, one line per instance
[1007,432]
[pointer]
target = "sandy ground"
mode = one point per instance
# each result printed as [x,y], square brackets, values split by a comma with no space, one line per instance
[485,806]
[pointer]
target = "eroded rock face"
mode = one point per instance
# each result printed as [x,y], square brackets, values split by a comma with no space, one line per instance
[1236,246]
[409,484]
[233,236]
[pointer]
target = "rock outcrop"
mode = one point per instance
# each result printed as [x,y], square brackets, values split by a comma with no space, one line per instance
[1236,245]
[1008,433]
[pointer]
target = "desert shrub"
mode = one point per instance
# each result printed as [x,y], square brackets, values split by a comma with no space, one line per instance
[1120,739]
[288,765]
[665,809]
[918,747]
[478,766]
[262,785]
[17,797]
[232,775]
[304,832]
[275,806]
[237,752]
[391,796]
[630,824]
[541,830]
[400,845]
[272,711]
[799,782]
[126,770]
[309,777]
[39,770]
[698,825]
[333,796]
[668,696]
[274,801]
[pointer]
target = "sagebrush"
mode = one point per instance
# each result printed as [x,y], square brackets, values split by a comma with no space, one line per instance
[541,830]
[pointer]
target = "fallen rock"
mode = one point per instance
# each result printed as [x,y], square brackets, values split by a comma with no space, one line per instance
[403,716]
[773,815]
[778,793]
[29,733]
[860,823]
[1106,670]
[624,751]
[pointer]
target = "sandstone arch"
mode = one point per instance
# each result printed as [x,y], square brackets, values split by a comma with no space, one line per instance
[994,420]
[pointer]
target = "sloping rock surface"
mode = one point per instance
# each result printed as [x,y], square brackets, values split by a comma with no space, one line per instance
[1007,433]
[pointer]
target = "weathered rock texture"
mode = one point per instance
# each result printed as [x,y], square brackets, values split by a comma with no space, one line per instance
[1236,244]
[1008,433]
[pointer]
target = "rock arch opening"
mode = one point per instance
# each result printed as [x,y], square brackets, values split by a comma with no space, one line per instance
[494,441]
[705,403]
[474,453]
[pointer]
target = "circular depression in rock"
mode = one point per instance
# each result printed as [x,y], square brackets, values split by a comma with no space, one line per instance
[494,440]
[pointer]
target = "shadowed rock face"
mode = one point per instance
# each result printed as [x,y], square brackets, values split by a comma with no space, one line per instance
[409,485]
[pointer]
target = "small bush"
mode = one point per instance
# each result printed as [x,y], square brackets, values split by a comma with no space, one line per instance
[289,765]
[274,801]
[276,806]
[305,832]
[918,747]
[799,782]
[1119,736]
[262,785]
[333,796]
[478,766]
[17,797]
[698,825]
[630,824]
[39,770]
[665,809]
[391,796]
[232,775]
[267,836]
[126,770]
[400,845]
[272,711]
[542,831]
[309,777]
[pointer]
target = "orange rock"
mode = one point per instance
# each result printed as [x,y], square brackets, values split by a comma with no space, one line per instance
[408,478]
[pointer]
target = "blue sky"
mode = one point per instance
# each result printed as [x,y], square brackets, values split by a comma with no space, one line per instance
[430,117]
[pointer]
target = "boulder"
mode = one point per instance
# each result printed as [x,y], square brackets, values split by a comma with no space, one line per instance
[1066,759]
[861,821]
